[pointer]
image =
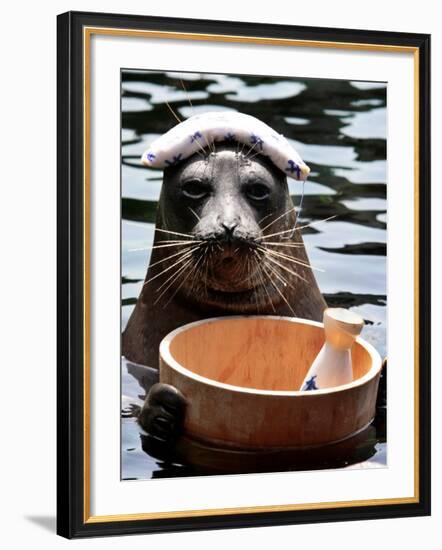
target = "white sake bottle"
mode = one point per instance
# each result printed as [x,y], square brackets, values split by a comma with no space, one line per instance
[332,366]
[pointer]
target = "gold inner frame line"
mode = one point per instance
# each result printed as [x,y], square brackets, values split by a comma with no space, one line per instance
[87,33]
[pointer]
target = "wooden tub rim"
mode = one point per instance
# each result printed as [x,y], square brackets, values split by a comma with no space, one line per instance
[167,356]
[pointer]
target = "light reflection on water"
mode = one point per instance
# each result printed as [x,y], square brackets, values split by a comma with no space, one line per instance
[339,129]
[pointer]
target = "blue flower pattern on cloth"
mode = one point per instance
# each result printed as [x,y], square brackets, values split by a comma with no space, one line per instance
[230,137]
[256,140]
[293,167]
[175,159]
[310,384]
[195,136]
[183,140]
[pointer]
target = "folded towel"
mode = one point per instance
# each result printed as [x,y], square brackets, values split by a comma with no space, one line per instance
[197,132]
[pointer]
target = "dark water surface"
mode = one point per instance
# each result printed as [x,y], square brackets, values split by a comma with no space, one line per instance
[339,129]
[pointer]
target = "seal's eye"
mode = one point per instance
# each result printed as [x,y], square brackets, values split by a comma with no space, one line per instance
[195,189]
[257,191]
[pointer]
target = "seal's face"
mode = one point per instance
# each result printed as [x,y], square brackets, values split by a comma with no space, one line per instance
[223,201]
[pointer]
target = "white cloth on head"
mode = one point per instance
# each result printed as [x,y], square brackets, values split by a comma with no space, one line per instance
[197,132]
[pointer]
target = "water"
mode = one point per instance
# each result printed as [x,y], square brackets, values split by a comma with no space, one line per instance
[339,129]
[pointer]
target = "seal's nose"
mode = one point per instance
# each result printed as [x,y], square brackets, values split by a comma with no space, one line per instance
[229,228]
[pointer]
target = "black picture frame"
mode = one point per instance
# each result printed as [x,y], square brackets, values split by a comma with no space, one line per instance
[72,520]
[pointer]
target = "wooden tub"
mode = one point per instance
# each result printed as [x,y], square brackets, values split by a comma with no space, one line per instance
[240,375]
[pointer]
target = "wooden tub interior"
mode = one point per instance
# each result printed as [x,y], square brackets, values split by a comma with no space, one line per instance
[260,353]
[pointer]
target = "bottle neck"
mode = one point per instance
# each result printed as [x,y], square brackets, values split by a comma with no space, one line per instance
[339,333]
[339,340]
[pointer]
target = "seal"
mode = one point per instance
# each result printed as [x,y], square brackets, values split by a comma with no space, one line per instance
[226,243]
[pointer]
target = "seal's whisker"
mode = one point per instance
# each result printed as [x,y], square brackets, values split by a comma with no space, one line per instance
[245,271]
[247,155]
[278,218]
[276,234]
[260,272]
[200,277]
[316,223]
[287,244]
[298,228]
[286,268]
[206,276]
[185,245]
[187,95]
[255,288]
[179,253]
[209,146]
[251,157]
[265,217]
[279,291]
[195,279]
[177,241]
[194,213]
[173,243]
[256,295]
[192,270]
[289,258]
[247,268]
[171,280]
[175,233]
[203,154]
[279,275]
[140,249]
[172,111]
[183,257]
